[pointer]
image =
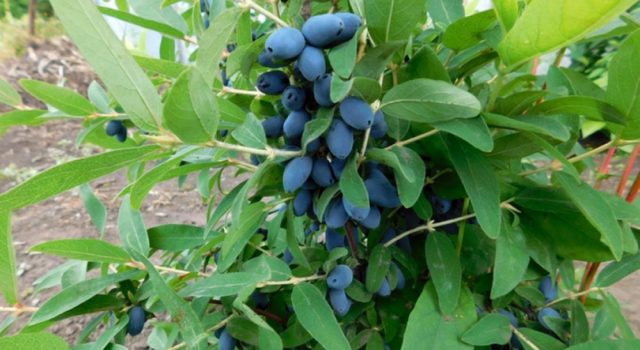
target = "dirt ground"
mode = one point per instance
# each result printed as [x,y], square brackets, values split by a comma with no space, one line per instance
[26,151]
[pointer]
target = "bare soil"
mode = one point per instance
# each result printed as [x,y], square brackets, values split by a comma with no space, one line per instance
[25,151]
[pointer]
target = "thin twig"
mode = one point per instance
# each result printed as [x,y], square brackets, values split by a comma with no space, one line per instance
[414,139]
[524,338]
[206,334]
[229,90]
[263,11]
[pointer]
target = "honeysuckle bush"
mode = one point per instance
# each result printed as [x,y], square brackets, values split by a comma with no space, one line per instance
[410,179]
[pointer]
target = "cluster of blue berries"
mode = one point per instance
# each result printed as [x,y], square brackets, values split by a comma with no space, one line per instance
[118,129]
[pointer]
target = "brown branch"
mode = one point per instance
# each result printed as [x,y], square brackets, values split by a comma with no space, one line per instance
[352,243]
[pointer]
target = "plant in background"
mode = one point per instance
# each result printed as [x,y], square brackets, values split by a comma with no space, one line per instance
[408,184]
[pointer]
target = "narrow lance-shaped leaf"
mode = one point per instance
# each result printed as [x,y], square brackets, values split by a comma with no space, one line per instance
[595,209]
[191,111]
[618,270]
[511,260]
[190,325]
[69,175]
[532,35]
[480,182]
[87,249]
[623,89]
[108,335]
[315,315]
[409,190]
[446,272]
[250,133]
[78,293]
[445,12]
[96,209]
[8,283]
[214,41]
[239,235]
[221,285]
[65,100]
[8,95]
[379,262]
[34,341]
[109,58]
[133,234]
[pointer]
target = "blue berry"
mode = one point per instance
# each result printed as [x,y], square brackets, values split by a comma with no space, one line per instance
[356,213]
[339,301]
[380,127]
[273,82]
[340,139]
[311,63]
[545,313]
[137,318]
[372,221]
[334,239]
[356,112]
[296,173]
[321,173]
[273,127]
[336,216]
[285,43]
[340,277]
[302,202]
[385,288]
[293,98]
[323,30]
[322,90]
[294,124]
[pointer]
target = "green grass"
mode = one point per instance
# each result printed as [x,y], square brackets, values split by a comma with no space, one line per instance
[14,34]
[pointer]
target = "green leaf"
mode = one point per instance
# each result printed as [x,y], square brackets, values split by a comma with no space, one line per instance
[315,315]
[86,249]
[72,174]
[379,262]
[618,270]
[175,237]
[250,133]
[545,125]
[595,209]
[108,57]
[20,117]
[511,260]
[443,332]
[579,323]
[474,130]
[317,126]
[352,185]
[446,272]
[468,31]
[234,242]
[426,64]
[108,335]
[507,12]
[62,99]
[150,24]
[539,339]
[320,205]
[190,110]
[609,344]
[133,234]
[221,285]
[490,329]
[96,209]
[391,160]
[445,12]
[34,341]
[179,309]
[572,20]
[78,293]
[343,57]
[214,41]
[613,307]
[269,267]
[480,181]
[409,190]
[624,84]
[169,68]
[429,101]
[591,108]
[375,61]
[389,20]
[8,283]
[8,95]
[153,10]
[141,187]
[575,82]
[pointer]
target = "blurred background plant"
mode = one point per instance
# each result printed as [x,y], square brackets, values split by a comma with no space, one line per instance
[18,28]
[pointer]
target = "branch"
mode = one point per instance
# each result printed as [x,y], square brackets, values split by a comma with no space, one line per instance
[291,281]
[414,139]
[206,334]
[251,4]
[229,90]
[524,338]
